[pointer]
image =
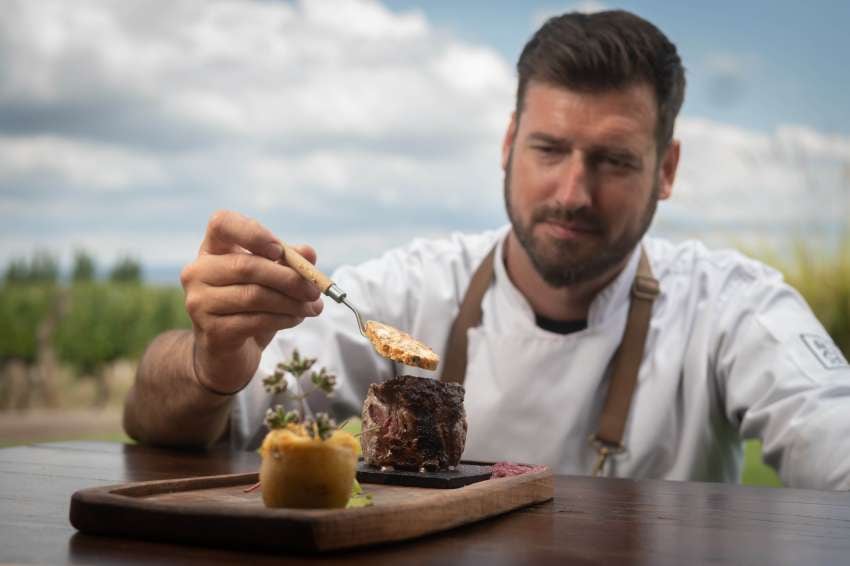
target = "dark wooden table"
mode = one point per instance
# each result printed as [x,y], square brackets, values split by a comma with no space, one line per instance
[590,520]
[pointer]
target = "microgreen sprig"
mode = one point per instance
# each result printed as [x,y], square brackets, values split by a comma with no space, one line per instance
[322,426]
[279,417]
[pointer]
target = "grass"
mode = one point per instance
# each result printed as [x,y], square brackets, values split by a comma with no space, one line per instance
[755,471]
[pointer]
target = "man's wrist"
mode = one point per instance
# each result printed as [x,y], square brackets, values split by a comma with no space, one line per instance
[199,380]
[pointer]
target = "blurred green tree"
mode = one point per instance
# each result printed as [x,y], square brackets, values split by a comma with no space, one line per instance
[106,322]
[126,270]
[26,313]
[42,267]
[84,269]
[22,307]
[17,271]
[89,335]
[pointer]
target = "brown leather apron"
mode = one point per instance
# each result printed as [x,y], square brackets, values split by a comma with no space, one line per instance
[626,362]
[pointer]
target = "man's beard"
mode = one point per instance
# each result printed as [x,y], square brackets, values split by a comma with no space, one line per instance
[559,263]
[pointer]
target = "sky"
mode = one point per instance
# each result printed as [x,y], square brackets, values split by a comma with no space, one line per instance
[358,125]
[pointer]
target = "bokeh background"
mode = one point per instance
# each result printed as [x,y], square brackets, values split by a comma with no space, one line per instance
[355,126]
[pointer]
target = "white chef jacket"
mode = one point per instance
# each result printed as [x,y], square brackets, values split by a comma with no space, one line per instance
[732,352]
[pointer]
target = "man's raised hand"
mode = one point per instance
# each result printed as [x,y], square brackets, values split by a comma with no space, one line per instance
[238,296]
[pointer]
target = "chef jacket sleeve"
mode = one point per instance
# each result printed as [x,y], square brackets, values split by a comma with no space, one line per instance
[782,379]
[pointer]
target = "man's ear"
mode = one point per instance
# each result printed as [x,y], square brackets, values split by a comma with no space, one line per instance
[667,171]
[508,141]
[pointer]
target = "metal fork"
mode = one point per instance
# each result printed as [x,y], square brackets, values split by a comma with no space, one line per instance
[311,273]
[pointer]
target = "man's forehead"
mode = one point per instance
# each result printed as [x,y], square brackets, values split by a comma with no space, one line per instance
[614,114]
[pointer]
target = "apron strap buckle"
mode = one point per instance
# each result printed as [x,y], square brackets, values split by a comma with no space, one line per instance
[603,450]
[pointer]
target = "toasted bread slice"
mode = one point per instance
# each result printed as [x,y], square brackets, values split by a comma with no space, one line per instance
[400,347]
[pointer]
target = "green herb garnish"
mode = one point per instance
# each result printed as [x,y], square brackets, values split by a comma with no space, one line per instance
[359,498]
[322,426]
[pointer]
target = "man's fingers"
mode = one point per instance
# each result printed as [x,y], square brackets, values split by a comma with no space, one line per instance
[228,231]
[232,330]
[251,298]
[242,268]
[307,251]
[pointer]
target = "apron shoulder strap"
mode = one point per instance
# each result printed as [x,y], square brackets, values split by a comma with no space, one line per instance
[627,360]
[469,316]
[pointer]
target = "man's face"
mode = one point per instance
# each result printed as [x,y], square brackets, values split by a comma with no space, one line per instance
[582,178]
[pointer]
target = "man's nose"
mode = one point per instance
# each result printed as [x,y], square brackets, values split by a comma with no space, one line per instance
[573,189]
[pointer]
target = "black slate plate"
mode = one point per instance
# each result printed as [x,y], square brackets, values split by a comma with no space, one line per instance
[464,474]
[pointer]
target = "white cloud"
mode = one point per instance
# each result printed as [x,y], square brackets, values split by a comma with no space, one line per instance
[540,15]
[287,111]
[335,122]
[727,77]
[737,185]
[364,19]
[589,6]
[75,164]
[730,64]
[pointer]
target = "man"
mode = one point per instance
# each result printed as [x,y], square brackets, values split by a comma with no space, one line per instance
[730,351]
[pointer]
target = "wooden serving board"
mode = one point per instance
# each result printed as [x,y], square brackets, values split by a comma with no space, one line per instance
[217,511]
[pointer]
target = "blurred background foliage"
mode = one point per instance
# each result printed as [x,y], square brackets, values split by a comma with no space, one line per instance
[55,331]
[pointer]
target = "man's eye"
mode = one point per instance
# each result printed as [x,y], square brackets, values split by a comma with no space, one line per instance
[617,162]
[546,150]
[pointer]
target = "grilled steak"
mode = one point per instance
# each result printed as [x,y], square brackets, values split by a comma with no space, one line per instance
[413,423]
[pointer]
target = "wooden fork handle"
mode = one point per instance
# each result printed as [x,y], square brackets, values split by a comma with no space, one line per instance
[306,269]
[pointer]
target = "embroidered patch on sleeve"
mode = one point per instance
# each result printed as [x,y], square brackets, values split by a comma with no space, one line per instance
[825,350]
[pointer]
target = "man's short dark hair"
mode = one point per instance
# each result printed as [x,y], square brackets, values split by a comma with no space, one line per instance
[604,51]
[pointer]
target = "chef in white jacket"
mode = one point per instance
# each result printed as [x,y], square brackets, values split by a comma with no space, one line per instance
[731,352]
